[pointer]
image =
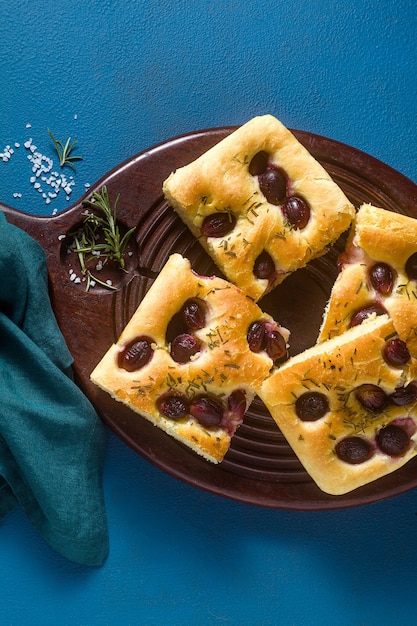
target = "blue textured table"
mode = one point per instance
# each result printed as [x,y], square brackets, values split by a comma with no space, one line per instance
[119,77]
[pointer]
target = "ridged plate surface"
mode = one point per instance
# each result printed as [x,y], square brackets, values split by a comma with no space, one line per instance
[260,468]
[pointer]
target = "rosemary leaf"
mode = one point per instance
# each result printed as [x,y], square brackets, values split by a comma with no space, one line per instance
[99,237]
[64,151]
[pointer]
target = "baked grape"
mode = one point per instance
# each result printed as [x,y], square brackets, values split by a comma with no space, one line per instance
[273,184]
[173,406]
[258,163]
[311,406]
[207,410]
[264,267]
[136,354]
[392,440]
[297,212]
[395,352]
[184,346]
[354,450]
[371,397]
[411,267]
[276,347]
[236,404]
[381,276]
[218,224]
[261,338]
[404,395]
[256,336]
[194,313]
[361,315]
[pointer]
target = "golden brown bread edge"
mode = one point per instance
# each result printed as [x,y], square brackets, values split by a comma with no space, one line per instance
[219,181]
[377,235]
[224,365]
[336,368]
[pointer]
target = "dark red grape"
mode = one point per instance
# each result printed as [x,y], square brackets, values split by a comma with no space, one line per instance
[258,163]
[136,354]
[311,406]
[276,346]
[381,276]
[297,212]
[273,184]
[183,347]
[236,404]
[256,336]
[392,440]
[354,450]
[371,397]
[361,315]
[218,224]
[173,406]
[404,395]
[411,267]
[194,313]
[396,352]
[207,410]
[264,266]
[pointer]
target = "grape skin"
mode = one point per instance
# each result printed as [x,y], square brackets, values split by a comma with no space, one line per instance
[311,406]
[136,354]
[354,450]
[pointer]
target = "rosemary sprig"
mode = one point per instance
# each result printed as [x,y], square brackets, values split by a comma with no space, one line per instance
[64,151]
[99,237]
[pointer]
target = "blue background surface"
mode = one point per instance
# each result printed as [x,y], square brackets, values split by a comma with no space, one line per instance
[119,77]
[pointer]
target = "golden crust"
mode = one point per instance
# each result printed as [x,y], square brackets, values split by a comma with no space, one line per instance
[219,180]
[377,235]
[336,368]
[224,365]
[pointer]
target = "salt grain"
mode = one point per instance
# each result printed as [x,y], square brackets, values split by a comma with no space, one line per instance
[46,181]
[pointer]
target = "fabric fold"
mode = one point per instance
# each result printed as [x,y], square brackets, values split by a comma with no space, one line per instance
[51,439]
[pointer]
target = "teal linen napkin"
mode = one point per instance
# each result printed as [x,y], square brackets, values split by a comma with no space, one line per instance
[51,439]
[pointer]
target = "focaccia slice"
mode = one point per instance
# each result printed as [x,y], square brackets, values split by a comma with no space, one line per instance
[378,274]
[260,204]
[348,413]
[192,357]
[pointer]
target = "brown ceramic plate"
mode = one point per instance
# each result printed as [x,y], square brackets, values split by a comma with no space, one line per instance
[260,468]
